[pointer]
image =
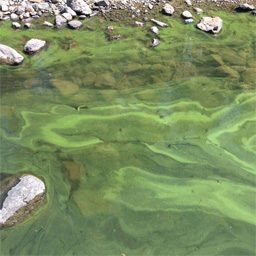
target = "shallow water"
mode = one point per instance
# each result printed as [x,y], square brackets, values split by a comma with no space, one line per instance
[144,151]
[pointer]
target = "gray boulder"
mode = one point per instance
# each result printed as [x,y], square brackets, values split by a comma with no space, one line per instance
[80,7]
[210,24]
[60,21]
[168,9]
[245,8]
[75,24]
[19,197]
[34,45]
[9,56]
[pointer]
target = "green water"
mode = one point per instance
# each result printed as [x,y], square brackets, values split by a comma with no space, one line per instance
[144,151]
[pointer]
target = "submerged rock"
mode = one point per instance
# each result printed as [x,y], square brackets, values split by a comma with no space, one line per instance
[189,21]
[139,24]
[245,8]
[159,23]
[168,9]
[34,45]
[9,56]
[75,24]
[154,29]
[155,42]
[210,24]
[21,199]
[48,24]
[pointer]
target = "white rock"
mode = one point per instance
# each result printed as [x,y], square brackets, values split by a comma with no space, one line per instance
[20,195]
[16,25]
[154,29]
[155,42]
[43,6]
[4,8]
[187,15]
[69,10]
[245,8]
[67,16]
[210,24]
[9,56]
[48,24]
[198,10]
[28,25]
[75,24]
[168,9]
[139,24]
[188,2]
[14,16]
[159,23]
[34,45]
[80,7]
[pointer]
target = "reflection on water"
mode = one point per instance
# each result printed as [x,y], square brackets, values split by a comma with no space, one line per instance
[144,151]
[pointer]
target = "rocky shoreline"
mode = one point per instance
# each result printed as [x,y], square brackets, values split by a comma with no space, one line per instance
[70,12]
[66,10]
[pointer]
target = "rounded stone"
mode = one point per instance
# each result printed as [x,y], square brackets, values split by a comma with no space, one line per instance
[34,45]
[75,24]
[187,15]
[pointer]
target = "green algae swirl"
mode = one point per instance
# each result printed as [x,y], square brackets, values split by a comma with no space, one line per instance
[149,152]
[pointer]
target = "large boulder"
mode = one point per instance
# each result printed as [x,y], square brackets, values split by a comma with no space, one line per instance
[34,45]
[21,196]
[80,7]
[9,56]
[168,9]
[210,24]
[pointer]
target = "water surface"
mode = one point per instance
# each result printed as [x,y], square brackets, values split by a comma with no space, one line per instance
[144,151]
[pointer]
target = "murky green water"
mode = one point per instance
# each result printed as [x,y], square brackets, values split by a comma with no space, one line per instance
[144,151]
